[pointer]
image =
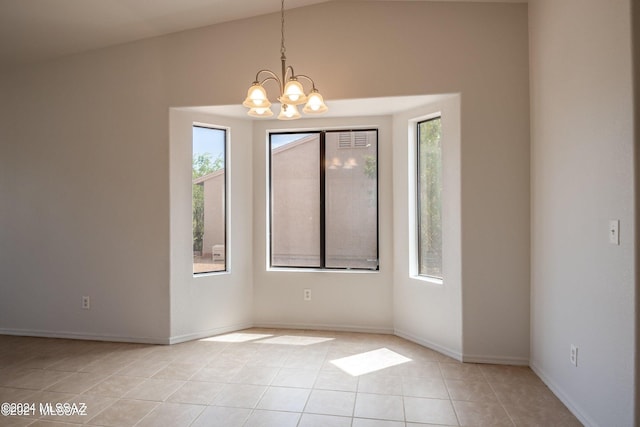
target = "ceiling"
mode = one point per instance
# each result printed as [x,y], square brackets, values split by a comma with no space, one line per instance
[338,108]
[37,30]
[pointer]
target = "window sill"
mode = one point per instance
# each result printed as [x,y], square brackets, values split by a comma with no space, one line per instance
[210,274]
[320,270]
[429,280]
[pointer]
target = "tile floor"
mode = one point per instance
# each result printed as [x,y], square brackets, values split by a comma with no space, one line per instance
[264,377]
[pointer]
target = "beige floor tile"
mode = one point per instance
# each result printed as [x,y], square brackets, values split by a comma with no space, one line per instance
[379,406]
[522,393]
[425,369]
[461,371]
[240,395]
[272,357]
[92,405]
[216,374]
[330,402]
[532,414]
[15,395]
[225,362]
[424,387]
[115,386]
[143,368]
[429,425]
[259,375]
[36,379]
[154,389]
[482,414]
[510,375]
[74,363]
[315,420]
[104,367]
[284,399]
[429,411]
[178,371]
[364,422]
[381,384]
[270,372]
[307,358]
[123,413]
[336,380]
[474,391]
[48,397]
[39,362]
[78,382]
[172,415]
[13,421]
[46,423]
[197,393]
[215,416]
[295,377]
[262,418]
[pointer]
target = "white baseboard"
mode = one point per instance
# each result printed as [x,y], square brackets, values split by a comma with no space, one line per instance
[564,398]
[82,336]
[426,343]
[209,333]
[324,327]
[495,360]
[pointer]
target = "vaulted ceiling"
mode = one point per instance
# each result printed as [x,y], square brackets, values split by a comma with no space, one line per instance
[36,30]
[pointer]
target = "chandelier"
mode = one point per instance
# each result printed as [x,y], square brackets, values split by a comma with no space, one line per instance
[292,92]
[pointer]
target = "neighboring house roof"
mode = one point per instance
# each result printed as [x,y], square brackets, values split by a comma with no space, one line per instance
[295,143]
[200,180]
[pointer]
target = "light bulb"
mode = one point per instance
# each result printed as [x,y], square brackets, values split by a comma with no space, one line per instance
[315,103]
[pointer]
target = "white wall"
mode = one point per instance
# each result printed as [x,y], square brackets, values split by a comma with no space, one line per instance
[210,304]
[582,287]
[85,155]
[340,300]
[84,206]
[427,312]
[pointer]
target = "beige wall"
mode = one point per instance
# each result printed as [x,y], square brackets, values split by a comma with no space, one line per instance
[582,175]
[101,115]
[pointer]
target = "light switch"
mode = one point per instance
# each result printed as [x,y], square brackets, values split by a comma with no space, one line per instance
[614,231]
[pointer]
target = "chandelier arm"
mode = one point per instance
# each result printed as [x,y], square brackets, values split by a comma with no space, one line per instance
[271,73]
[313,84]
[257,97]
[274,78]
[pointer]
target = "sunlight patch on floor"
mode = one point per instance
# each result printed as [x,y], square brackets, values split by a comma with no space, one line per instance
[370,361]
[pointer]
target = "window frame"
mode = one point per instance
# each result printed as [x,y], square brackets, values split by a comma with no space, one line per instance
[322,191]
[226,131]
[419,273]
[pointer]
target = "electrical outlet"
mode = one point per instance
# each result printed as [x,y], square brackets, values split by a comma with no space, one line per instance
[614,231]
[86,303]
[573,356]
[307,294]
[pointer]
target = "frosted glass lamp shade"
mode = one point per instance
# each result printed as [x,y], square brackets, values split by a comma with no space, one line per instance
[256,97]
[293,93]
[260,112]
[288,112]
[315,104]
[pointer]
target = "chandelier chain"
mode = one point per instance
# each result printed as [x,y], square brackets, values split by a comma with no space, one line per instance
[282,48]
[292,93]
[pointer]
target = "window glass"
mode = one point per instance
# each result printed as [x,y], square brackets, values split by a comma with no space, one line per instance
[351,200]
[324,200]
[209,200]
[295,200]
[430,198]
